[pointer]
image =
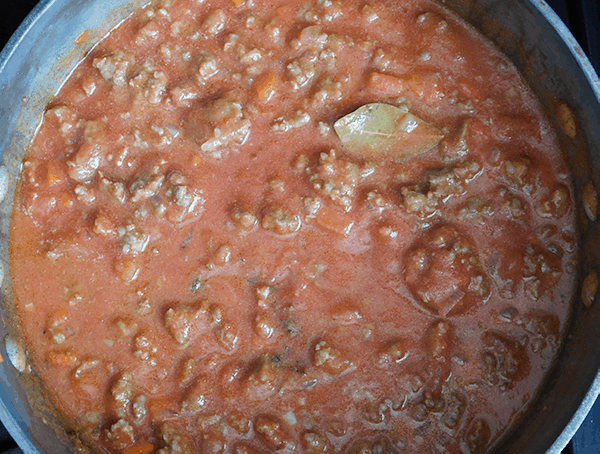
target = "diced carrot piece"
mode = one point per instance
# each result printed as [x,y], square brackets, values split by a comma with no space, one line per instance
[197,161]
[387,85]
[67,200]
[417,85]
[396,85]
[54,173]
[238,3]
[83,37]
[567,120]
[266,87]
[61,358]
[336,221]
[128,269]
[60,316]
[424,85]
[145,448]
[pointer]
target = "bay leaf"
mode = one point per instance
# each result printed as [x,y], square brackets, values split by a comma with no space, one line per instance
[381,131]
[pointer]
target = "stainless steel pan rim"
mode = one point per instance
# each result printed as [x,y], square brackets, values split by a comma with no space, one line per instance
[565,437]
[569,39]
[569,431]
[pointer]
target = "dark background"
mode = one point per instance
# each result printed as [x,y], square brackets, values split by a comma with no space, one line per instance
[583,19]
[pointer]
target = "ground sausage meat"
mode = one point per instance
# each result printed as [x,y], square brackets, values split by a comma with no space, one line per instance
[314,226]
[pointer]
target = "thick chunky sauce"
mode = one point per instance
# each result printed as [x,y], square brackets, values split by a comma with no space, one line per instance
[205,260]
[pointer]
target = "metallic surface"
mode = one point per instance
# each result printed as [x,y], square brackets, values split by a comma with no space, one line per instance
[42,53]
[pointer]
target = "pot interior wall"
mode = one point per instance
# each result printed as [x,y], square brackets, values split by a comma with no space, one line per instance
[37,60]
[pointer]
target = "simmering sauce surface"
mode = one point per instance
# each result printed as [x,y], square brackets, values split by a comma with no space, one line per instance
[317,226]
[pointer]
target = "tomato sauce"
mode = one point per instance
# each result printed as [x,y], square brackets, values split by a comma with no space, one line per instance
[316,226]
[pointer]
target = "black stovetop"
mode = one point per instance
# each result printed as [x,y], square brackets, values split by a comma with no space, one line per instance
[583,19]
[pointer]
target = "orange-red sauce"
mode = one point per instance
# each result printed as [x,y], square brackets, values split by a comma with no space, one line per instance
[201,266]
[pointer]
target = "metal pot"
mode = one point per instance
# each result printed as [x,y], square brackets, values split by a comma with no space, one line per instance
[43,52]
